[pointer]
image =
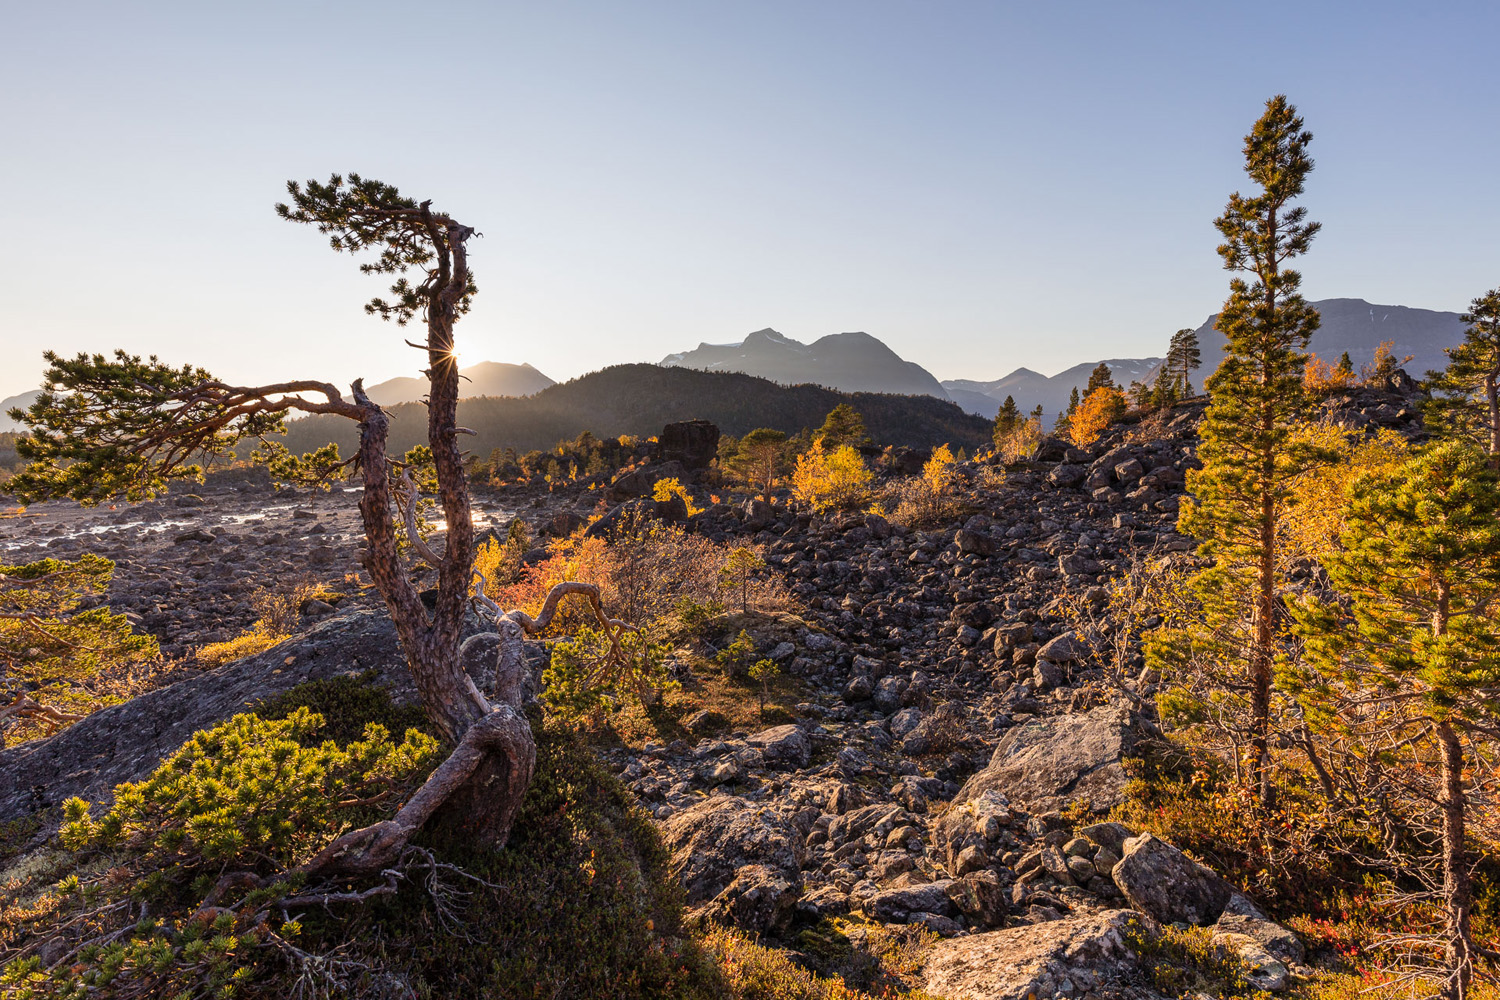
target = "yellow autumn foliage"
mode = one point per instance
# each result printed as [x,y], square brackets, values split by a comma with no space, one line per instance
[1312,527]
[831,480]
[1101,408]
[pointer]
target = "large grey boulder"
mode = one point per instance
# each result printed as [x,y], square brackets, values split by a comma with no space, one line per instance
[712,840]
[1066,475]
[1066,648]
[897,905]
[1051,763]
[1265,949]
[1161,881]
[1088,956]
[980,896]
[783,746]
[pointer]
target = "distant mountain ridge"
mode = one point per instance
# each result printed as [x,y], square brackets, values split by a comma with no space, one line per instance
[859,362]
[1351,325]
[1359,327]
[849,362]
[1029,388]
[22,401]
[640,399]
[488,378]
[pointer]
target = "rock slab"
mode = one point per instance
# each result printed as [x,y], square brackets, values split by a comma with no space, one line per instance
[1069,957]
[1053,762]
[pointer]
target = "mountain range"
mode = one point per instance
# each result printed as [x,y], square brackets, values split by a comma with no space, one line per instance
[855,362]
[640,399]
[861,363]
[849,362]
[1030,389]
[488,378]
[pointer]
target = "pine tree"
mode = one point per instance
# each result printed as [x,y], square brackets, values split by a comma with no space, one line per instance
[56,653]
[1008,417]
[842,426]
[1465,398]
[760,457]
[1100,378]
[1061,423]
[1407,671]
[1249,465]
[1183,358]
[1344,370]
[105,427]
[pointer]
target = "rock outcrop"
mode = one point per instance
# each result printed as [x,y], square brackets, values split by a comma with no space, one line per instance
[694,443]
[713,841]
[1077,956]
[1051,763]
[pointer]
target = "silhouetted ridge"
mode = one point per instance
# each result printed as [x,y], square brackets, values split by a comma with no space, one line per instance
[639,399]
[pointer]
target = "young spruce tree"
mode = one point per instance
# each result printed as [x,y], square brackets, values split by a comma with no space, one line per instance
[1465,397]
[1249,465]
[1406,671]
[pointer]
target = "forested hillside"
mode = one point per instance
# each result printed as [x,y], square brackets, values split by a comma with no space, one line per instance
[639,399]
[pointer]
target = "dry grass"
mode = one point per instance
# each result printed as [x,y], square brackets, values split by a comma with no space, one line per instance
[279,611]
[733,698]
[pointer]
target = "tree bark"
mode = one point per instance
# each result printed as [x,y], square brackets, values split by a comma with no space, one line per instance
[471,798]
[1264,610]
[1457,893]
[1492,400]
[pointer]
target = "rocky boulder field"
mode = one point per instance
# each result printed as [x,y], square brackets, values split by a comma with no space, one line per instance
[951,767]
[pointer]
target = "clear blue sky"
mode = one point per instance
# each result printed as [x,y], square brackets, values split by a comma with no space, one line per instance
[982,185]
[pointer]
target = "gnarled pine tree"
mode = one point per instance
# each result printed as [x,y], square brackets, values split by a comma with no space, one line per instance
[1249,465]
[123,426]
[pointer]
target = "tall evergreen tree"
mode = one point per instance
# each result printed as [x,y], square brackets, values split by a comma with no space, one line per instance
[1465,398]
[842,426]
[1408,669]
[760,457]
[1063,418]
[1100,378]
[1008,417]
[1249,464]
[1183,358]
[105,427]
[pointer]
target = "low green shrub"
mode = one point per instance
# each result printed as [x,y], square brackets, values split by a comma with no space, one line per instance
[347,703]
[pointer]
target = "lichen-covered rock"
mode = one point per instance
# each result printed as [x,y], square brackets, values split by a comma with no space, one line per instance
[1110,836]
[1241,916]
[1171,887]
[1067,475]
[1052,763]
[783,746]
[760,899]
[711,841]
[897,905]
[980,896]
[1260,968]
[1069,957]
